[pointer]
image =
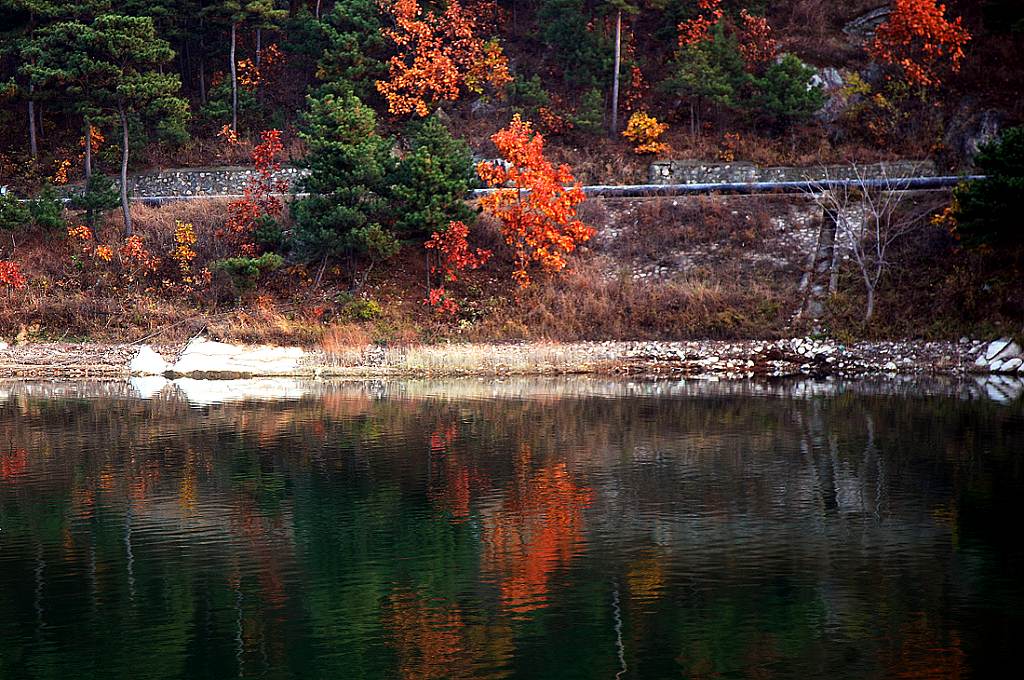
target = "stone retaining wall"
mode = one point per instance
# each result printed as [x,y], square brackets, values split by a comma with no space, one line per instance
[201,181]
[707,172]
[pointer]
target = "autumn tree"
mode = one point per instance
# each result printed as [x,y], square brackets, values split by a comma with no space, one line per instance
[920,41]
[534,200]
[439,55]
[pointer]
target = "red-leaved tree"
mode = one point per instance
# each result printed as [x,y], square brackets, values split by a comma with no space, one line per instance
[454,256]
[535,201]
[919,40]
[260,195]
[695,30]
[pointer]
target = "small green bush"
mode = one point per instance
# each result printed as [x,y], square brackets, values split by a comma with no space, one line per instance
[13,213]
[245,271]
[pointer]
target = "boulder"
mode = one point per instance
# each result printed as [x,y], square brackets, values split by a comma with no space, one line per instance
[147,362]
[862,29]
[1003,348]
[1011,365]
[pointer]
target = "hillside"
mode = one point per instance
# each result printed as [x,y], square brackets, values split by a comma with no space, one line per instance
[390,105]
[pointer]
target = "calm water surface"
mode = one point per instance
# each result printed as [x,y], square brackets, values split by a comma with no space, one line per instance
[527,529]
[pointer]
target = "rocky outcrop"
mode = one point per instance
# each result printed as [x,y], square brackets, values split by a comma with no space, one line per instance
[204,358]
[862,29]
[223,181]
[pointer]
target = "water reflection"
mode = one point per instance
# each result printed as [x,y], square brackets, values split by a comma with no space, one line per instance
[553,528]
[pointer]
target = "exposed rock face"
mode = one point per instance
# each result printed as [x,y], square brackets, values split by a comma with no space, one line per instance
[969,130]
[831,80]
[224,181]
[862,29]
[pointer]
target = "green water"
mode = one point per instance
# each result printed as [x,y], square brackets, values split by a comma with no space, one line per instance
[527,529]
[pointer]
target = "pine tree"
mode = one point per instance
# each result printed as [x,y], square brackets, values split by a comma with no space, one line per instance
[349,163]
[431,182]
[110,65]
[784,95]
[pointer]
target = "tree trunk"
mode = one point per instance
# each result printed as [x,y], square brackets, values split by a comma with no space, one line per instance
[88,151]
[124,171]
[33,144]
[234,80]
[615,77]
[318,10]
[202,81]
[869,311]
[259,45]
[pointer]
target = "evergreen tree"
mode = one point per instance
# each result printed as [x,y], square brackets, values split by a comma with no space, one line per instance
[431,182]
[711,70]
[784,94]
[988,210]
[584,55]
[354,54]
[349,163]
[111,65]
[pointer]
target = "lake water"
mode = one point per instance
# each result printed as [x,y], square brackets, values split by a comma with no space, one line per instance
[555,528]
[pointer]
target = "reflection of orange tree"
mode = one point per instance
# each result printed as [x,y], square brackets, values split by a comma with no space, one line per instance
[427,636]
[13,463]
[535,530]
[452,481]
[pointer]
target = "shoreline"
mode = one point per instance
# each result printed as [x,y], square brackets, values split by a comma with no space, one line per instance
[743,359]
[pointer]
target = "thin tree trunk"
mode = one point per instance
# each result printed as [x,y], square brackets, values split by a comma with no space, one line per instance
[259,45]
[318,10]
[33,144]
[234,81]
[124,171]
[615,77]
[88,151]
[870,310]
[202,81]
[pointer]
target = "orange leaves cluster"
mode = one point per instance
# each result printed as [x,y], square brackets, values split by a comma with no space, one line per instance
[636,90]
[60,175]
[757,46]
[259,198]
[919,40]
[438,55]
[11,276]
[695,30]
[536,208]
[454,256]
[644,131]
[251,75]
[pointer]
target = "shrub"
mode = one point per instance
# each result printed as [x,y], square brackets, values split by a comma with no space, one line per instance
[100,196]
[47,210]
[643,131]
[245,271]
[13,213]
[784,94]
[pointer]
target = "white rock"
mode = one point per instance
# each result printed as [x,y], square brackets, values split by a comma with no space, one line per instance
[1011,351]
[997,347]
[996,366]
[891,366]
[3,345]
[147,362]
[981,362]
[1013,364]
[204,356]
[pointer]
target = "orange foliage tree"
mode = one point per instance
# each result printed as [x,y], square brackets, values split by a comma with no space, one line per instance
[919,39]
[757,45]
[438,55]
[695,30]
[535,202]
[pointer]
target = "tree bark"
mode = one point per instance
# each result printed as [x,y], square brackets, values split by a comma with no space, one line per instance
[124,171]
[259,45]
[870,310]
[615,77]
[821,268]
[33,144]
[234,80]
[202,81]
[88,151]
